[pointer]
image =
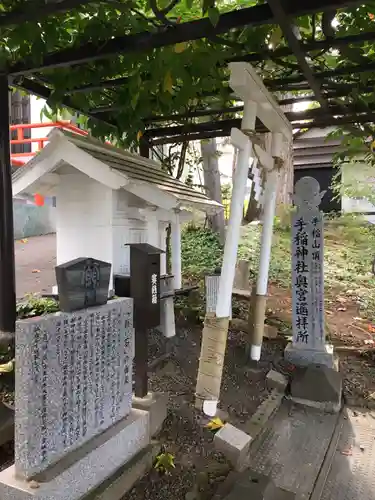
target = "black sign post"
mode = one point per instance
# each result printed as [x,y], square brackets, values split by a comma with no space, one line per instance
[145,291]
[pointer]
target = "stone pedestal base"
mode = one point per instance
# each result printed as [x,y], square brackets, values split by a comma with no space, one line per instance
[85,468]
[319,387]
[304,357]
[156,404]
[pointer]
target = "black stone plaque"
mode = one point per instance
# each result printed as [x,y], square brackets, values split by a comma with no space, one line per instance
[82,283]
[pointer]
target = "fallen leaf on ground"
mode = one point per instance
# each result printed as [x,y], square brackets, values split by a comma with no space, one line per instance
[215,424]
[341,308]
[35,271]
[25,240]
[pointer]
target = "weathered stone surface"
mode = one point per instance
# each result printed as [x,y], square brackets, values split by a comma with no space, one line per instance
[82,282]
[73,381]
[319,387]
[241,277]
[254,486]
[264,412]
[276,380]
[84,469]
[156,403]
[116,486]
[234,444]
[307,266]
[308,345]
[300,356]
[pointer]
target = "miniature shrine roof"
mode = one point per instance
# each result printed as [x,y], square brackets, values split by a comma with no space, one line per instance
[109,165]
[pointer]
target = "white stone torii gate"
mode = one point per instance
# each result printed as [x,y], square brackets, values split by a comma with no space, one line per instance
[258,102]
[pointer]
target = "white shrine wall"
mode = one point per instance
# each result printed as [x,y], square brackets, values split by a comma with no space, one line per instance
[93,220]
[128,226]
[83,218]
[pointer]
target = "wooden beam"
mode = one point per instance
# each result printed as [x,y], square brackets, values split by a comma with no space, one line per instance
[286,26]
[35,88]
[316,123]
[247,84]
[316,45]
[192,30]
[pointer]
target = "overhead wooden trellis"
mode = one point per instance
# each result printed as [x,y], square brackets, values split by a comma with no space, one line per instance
[323,87]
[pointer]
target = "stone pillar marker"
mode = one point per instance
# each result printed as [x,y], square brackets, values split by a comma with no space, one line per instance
[308,346]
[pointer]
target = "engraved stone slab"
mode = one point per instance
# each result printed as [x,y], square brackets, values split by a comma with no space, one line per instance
[73,380]
[82,282]
[307,266]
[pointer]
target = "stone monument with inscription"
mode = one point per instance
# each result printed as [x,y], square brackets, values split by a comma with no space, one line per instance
[74,421]
[309,345]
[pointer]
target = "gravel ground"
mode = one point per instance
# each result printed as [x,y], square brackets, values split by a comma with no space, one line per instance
[198,466]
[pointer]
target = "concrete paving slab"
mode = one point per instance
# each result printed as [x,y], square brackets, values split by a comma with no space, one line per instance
[35,264]
[292,448]
[350,472]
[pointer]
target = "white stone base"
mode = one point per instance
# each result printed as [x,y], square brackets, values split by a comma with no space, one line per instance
[303,357]
[85,468]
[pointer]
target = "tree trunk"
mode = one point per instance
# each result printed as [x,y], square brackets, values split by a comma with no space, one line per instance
[212,184]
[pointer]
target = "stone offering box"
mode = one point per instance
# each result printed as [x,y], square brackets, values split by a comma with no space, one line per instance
[82,282]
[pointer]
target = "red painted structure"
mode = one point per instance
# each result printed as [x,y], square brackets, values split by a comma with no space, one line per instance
[19,159]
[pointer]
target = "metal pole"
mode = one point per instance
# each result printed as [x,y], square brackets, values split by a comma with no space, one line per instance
[7,267]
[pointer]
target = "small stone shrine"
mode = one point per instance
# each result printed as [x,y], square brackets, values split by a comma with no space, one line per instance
[309,345]
[74,422]
[107,198]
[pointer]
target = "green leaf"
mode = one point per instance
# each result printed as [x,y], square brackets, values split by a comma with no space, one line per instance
[214,15]
[276,36]
[189,4]
[168,83]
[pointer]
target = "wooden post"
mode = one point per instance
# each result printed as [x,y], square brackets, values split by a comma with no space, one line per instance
[215,331]
[257,317]
[236,212]
[144,148]
[176,252]
[7,267]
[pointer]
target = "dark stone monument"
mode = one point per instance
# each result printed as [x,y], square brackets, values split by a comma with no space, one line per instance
[82,283]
